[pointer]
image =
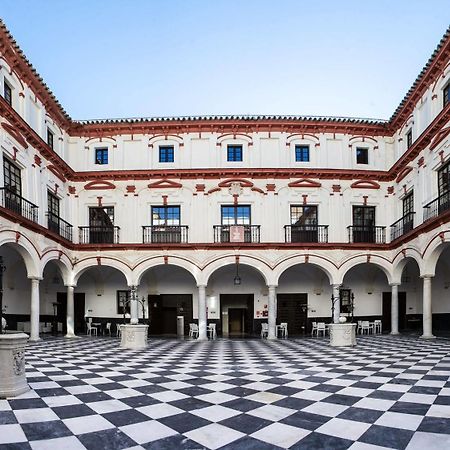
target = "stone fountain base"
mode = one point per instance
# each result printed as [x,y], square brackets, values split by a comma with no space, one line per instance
[134,336]
[342,334]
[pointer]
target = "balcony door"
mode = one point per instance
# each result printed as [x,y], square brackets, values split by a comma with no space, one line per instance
[304,223]
[364,224]
[408,213]
[13,186]
[53,212]
[166,222]
[236,216]
[101,225]
[444,189]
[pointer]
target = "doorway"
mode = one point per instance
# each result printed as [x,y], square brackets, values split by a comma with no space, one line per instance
[236,320]
[163,311]
[293,309]
[79,309]
[236,314]
[386,312]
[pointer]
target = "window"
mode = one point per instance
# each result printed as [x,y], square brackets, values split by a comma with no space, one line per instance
[166,154]
[236,215]
[362,155]
[12,178]
[364,224]
[123,302]
[302,153]
[101,225]
[101,156]
[166,215]
[53,212]
[234,153]
[345,302]
[409,138]
[447,95]
[444,179]
[7,92]
[50,138]
[303,215]
[408,204]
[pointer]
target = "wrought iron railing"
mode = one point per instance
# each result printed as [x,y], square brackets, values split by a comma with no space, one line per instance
[59,226]
[165,234]
[237,233]
[99,235]
[402,226]
[437,206]
[306,233]
[17,204]
[360,233]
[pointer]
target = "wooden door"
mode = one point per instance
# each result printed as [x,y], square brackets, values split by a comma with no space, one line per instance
[236,320]
[293,309]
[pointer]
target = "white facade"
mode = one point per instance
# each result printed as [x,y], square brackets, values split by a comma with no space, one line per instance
[200,180]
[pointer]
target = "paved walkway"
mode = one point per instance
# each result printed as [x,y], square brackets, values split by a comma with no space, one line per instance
[387,392]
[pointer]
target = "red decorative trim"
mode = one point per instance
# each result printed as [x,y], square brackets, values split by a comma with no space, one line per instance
[365,184]
[99,261]
[421,161]
[56,172]
[211,191]
[241,181]
[15,134]
[72,190]
[166,259]
[164,198]
[37,160]
[439,137]
[200,188]
[99,185]
[164,184]
[390,189]
[256,189]
[305,199]
[131,189]
[270,187]
[305,183]
[336,187]
[99,201]
[403,173]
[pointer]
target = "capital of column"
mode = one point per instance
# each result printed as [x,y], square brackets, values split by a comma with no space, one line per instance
[72,286]
[427,276]
[35,278]
[395,284]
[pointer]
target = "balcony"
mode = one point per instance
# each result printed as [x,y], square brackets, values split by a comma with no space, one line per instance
[165,234]
[402,226]
[17,204]
[306,233]
[59,226]
[366,234]
[248,234]
[437,206]
[99,235]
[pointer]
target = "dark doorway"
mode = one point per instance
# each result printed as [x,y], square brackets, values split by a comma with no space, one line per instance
[101,225]
[164,309]
[386,318]
[293,309]
[236,320]
[79,309]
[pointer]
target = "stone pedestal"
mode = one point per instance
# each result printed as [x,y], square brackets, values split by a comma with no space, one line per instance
[12,364]
[342,334]
[134,336]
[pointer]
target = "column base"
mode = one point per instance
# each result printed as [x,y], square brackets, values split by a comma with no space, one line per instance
[71,336]
[34,339]
[201,339]
[394,333]
[428,336]
[271,338]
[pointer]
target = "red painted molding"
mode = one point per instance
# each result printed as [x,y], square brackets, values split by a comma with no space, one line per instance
[256,189]
[56,172]
[365,184]
[442,134]
[305,183]
[99,185]
[230,181]
[162,184]
[15,134]
[403,173]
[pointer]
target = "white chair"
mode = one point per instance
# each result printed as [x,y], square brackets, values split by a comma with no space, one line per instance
[4,324]
[108,328]
[193,330]
[91,330]
[118,330]
[366,326]
[283,329]
[377,325]
[264,330]
[212,331]
[321,328]
[314,329]
[359,327]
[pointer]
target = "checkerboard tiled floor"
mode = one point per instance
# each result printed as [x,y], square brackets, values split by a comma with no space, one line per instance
[387,392]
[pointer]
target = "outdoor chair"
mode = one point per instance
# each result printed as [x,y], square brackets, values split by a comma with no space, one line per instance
[264,330]
[321,328]
[359,327]
[366,327]
[212,331]
[91,330]
[193,330]
[314,329]
[283,329]
[377,326]
[108,328]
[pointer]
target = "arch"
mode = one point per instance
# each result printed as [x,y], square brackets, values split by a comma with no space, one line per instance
[85,264]
[320,262]
[376,260]
[143,266]
[258,264]
[63,263]
[25,248]
[433,250]
[401,260]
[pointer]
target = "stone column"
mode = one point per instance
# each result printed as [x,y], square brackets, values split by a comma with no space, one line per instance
[394,309]
[134,306]
[202,319]
[70,312]
[34,316]
[427,310]
[272,322]
[336,302]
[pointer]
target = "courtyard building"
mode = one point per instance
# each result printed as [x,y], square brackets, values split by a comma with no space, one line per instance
[235,221]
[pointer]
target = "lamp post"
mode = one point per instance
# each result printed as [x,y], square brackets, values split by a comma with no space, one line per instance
[2,269]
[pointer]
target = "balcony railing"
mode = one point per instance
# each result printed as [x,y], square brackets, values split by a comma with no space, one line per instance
[165,234]
[306,233]
[99,235]
[237,233]
[437,206]
[360,233]
[15,203]
[402,226]
[59,226]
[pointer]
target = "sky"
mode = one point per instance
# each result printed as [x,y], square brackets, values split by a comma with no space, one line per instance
[143,58]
